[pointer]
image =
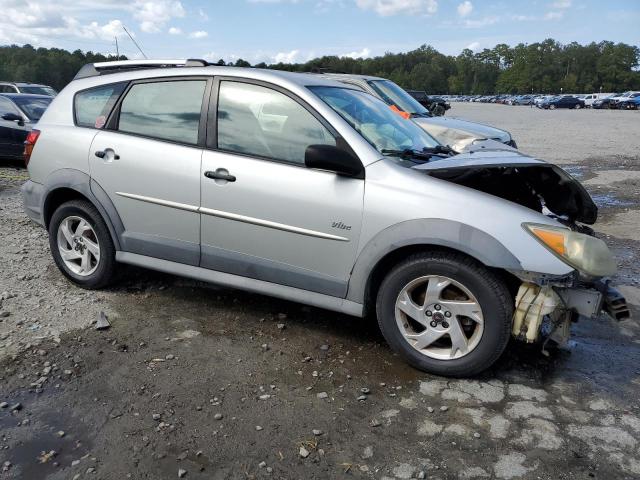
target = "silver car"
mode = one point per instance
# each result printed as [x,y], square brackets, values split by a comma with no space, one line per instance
[304,188]
[461,135]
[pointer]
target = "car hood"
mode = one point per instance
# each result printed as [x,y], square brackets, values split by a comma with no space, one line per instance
[525,180]
[452,131]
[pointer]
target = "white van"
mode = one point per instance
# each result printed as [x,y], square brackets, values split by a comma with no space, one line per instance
[592,97]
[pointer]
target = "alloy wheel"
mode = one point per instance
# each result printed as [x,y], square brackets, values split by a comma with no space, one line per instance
[439,317]
[78,246]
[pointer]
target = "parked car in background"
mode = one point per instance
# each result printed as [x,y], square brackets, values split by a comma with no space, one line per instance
[307,189]
[24,87]
[592,97]
[457,133]
[606,102]
[539,100]
[632,103]
[566,101]
[18,113]
[522,100]
[437,106]
[623,97]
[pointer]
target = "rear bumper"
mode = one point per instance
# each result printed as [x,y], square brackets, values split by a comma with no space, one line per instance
[32,194]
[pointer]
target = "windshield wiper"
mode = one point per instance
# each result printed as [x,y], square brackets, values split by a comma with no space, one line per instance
[407,153]
[424,154]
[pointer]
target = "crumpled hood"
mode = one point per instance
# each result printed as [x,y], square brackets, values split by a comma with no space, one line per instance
[519,178]
[459,133]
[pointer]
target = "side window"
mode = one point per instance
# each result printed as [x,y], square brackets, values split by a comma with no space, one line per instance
[92,107]
[260,121]
[164,110]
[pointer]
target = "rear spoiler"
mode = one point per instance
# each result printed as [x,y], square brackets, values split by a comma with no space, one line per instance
[105,68]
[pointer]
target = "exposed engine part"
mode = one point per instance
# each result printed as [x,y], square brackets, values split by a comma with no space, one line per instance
[614,302]
[583,301]
[532,304]
[532,186]
[561,329]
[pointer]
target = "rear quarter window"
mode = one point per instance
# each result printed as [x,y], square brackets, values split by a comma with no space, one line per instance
[92,106]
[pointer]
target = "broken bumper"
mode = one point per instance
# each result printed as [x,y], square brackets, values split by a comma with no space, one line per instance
[562,305]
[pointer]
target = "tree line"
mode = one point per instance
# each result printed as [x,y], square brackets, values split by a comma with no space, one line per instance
[541,67]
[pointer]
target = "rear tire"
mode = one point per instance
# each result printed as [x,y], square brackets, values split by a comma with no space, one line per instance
[81,245]
[461,285]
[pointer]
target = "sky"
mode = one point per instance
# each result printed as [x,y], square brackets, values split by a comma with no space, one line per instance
[298,30]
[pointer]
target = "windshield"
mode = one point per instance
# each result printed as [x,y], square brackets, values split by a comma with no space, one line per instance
[394,95]
[374,120]
[40,90]
[32,107]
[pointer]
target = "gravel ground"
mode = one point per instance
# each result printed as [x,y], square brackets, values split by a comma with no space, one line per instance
[206,382]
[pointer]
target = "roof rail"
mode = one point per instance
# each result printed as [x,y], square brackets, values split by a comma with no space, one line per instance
[104,68]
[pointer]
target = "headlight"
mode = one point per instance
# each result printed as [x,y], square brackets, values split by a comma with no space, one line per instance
[587,254]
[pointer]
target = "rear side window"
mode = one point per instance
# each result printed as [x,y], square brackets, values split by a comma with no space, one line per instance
[92,107]
[164,110]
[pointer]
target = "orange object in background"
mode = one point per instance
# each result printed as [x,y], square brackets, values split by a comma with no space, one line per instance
[402,113]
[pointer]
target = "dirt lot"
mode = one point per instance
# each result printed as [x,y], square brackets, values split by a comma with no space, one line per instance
[223,384]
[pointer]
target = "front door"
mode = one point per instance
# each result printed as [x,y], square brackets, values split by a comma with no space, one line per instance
[264,214]
[149,165]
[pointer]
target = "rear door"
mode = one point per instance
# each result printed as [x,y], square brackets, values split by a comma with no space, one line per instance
[273,218]
[147,160]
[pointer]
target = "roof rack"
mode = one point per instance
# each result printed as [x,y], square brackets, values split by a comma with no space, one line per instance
[105,68]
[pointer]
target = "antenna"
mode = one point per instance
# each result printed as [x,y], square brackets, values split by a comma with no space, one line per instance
[117,49]
[134,42]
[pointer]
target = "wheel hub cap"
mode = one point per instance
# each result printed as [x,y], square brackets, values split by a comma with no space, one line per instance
[78,246]
[439,317]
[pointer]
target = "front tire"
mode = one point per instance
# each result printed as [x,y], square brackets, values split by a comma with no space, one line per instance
[445,313]
[81,244]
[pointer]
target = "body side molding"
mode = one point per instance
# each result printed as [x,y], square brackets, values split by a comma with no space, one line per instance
[234,216]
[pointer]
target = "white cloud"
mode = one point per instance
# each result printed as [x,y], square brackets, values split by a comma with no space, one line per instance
[523,18]
[364,53]
[553,15]
[474,46]
[199,34]
[154,14]
[465,8]
[175,31]
[561,4]
[482,22]
[286,57]
[386,8]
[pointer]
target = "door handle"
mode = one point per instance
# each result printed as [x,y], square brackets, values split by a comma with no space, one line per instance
[103,153]
[220,174]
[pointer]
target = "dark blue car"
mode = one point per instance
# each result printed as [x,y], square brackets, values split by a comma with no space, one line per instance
[562,102]
[18,113]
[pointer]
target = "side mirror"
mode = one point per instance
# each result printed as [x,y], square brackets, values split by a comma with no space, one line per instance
[334,159]
[13,117]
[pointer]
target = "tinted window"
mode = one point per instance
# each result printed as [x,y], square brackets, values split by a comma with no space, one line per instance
[33,107]
[392,94]
[260,121]
[40,90]
[94,105]
[7,107]
[164,110]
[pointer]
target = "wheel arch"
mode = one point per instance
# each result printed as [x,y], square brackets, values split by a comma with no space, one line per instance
[70,184]
[399,241]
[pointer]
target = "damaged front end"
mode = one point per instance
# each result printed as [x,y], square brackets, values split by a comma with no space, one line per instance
[548,189]
[561,306]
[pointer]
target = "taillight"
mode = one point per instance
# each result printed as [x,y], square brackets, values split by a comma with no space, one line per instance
[29,143]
